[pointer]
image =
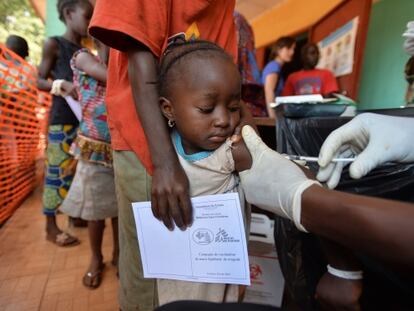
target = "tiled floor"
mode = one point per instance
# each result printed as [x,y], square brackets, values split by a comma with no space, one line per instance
[38,275]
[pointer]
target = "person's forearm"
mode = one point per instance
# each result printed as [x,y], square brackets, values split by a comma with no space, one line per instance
[339,257]
[340,287]
[269,95]
[381,228]
[44,85]
[142,70]
[170,201]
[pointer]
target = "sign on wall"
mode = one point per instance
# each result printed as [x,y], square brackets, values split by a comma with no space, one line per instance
[337,50]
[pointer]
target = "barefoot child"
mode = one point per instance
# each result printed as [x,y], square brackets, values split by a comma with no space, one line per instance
[200,89]
[55,63]
[92,194]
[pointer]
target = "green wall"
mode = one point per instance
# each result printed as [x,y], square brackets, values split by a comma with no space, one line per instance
[382,82]
[54,27]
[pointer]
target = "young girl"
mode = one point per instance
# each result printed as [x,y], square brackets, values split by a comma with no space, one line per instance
[200,90]
[92,193]
[55,64]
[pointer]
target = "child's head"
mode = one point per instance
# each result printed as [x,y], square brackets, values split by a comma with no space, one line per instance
[310,55]
[200,90]
[283,49]
[18,45]
[76,15]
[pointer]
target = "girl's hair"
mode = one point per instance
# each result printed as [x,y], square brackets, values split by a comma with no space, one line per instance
[62,5]
[18,45]
[179,53]
[306,47]
[283,42]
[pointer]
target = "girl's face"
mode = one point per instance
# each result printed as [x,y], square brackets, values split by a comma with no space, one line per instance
[78,19]
[286,53]
[205,103]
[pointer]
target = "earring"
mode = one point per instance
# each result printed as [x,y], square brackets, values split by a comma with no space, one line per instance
[171,123]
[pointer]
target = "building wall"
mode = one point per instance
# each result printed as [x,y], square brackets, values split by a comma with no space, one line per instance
[54,27]
[383,84]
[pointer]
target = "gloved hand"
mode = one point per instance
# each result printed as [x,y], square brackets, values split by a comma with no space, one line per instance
[374,139]
[408,46]
[409,38]
[273,182]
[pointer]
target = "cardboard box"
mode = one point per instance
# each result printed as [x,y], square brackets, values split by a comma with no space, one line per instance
[267,282]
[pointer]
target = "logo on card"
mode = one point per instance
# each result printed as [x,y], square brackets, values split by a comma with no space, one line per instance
[203,236]
[255,272]
[223,237]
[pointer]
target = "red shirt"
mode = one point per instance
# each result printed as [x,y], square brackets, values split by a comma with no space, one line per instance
[306,82]
[151,22]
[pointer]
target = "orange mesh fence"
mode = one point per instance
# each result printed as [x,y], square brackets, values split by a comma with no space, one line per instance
[23,111]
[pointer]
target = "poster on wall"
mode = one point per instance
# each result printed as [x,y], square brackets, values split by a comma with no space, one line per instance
[337,49]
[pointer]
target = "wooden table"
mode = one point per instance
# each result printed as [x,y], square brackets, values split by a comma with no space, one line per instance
[264,121]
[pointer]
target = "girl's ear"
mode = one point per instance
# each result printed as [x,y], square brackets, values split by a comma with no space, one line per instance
[167,108]
[66,14]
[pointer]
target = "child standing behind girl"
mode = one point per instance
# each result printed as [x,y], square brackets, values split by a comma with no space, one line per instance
[92,194]
[201,89]
[55,64]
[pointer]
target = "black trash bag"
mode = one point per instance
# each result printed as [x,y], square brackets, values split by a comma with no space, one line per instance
[301,265]
[300,256]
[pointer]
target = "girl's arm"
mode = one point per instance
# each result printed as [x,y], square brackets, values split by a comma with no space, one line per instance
[241,155]
[49,55]
[269,88]
[91,66]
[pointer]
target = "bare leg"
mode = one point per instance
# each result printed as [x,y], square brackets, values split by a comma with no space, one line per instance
[78,222]
[96,229]
[53,231]
[93,277]
[115,253]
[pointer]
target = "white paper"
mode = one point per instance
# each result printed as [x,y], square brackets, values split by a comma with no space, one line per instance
[299,99]
[337,49]
[212,250]
[75,106]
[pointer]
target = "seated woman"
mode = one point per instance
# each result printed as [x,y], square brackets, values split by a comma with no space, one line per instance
[310,80]
[282,52]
